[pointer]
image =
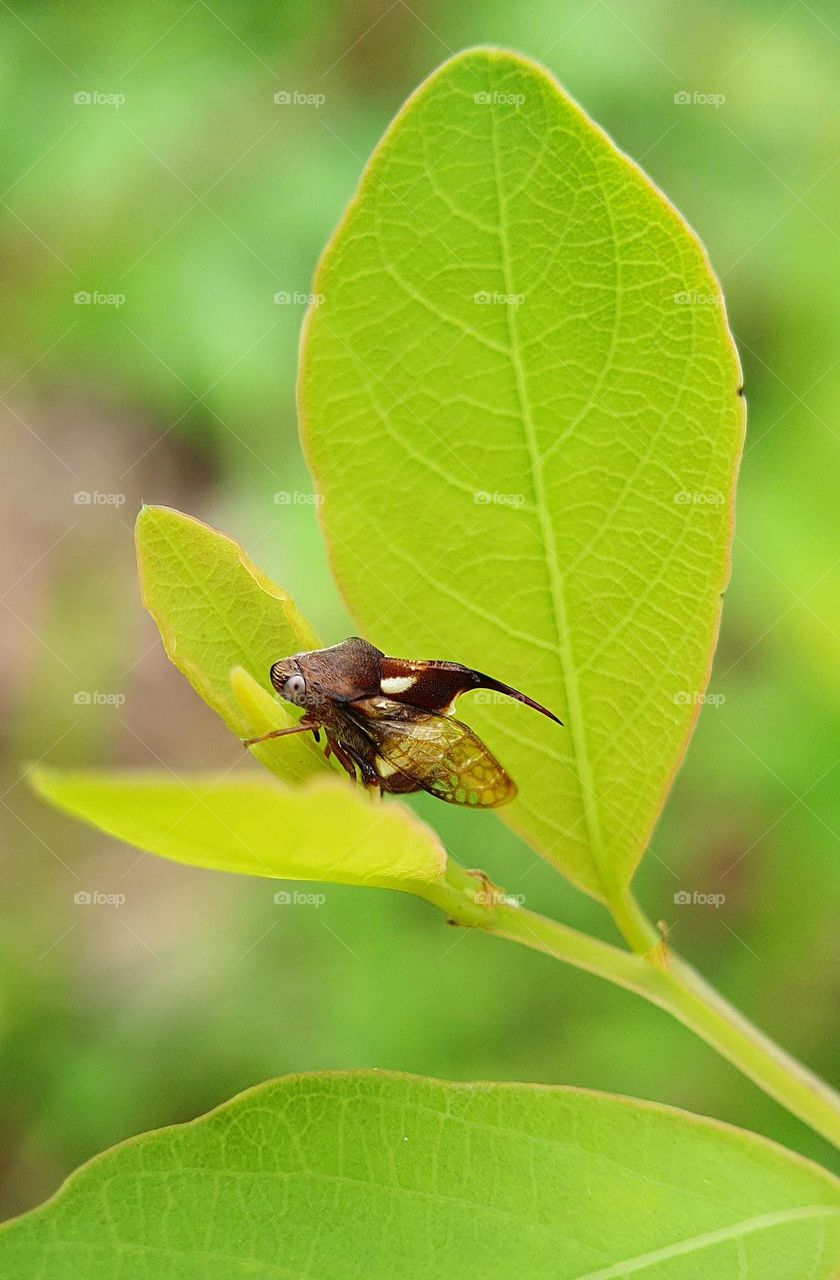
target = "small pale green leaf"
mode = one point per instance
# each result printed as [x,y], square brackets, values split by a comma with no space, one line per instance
[519,398]
[325,830]
[372,1175]
[301,758]
[217,611]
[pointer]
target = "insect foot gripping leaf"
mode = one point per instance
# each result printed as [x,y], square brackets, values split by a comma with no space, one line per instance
[545,429]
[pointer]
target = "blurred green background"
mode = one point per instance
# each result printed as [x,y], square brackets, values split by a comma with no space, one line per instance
[188,206]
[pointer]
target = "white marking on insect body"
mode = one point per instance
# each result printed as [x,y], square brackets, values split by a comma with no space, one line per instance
[396,684]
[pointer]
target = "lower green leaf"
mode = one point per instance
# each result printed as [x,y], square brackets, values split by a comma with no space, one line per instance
[326,830]
[365,1174]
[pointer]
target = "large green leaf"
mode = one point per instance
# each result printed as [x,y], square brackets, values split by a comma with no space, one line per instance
[520,401]
[370,1175]
[223,622]
[323,831]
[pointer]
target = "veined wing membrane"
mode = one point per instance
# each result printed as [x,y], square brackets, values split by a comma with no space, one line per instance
[440,754]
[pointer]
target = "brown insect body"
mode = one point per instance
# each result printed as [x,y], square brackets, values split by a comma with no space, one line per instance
[389,719]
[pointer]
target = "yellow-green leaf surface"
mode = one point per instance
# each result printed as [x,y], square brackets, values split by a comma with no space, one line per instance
[218,612]
[520,401]
[325,830]
[371,1175]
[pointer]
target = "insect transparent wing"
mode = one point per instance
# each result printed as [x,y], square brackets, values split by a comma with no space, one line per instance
[440,754]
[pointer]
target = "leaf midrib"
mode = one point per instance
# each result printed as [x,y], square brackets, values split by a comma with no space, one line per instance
[576,729]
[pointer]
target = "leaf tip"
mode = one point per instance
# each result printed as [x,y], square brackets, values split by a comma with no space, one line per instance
[146,514]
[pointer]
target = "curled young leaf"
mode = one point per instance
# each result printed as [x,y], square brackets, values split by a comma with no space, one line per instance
[214,607]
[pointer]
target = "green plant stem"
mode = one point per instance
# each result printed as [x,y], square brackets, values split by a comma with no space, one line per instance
[652,971]
[639,933]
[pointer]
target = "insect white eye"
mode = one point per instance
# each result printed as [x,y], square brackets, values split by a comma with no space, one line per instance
[294,688]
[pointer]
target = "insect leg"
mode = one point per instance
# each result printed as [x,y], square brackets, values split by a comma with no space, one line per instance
[370,777]
[343,757]
[279,733]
